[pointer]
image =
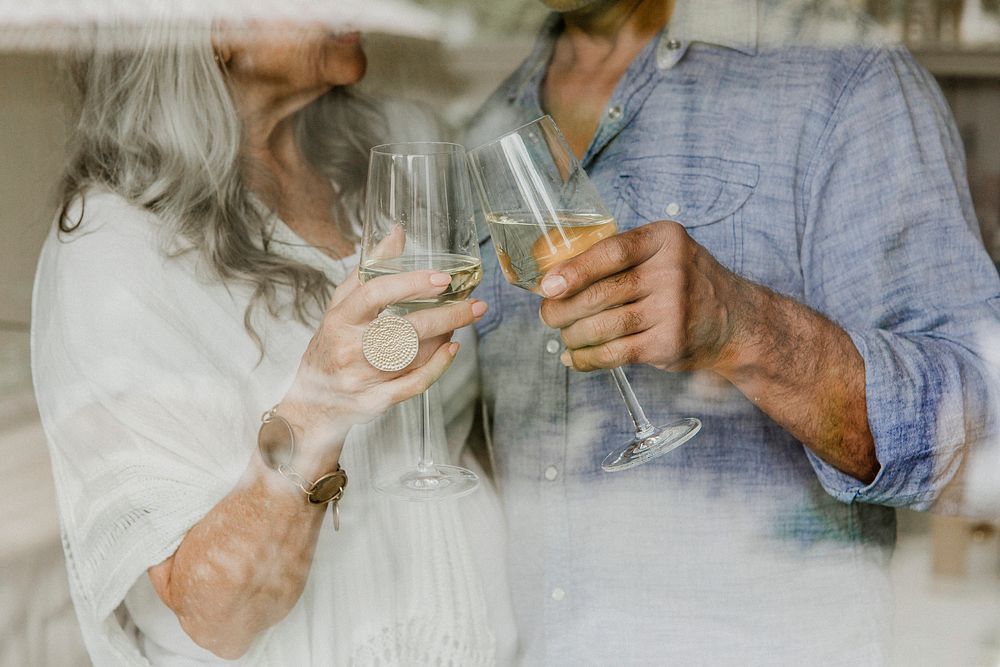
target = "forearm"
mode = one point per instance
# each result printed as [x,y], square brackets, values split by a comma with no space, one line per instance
[805,373]
[241,568]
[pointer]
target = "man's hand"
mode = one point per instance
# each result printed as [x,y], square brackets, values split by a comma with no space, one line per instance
[654,296]
[648,296]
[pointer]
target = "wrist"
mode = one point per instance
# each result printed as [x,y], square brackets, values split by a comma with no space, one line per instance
[314,472]
[319,442]
[751,313]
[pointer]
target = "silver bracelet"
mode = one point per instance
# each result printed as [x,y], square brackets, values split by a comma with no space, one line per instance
[276,443]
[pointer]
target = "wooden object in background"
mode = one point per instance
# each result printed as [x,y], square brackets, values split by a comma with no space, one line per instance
[952,541]
[949,545]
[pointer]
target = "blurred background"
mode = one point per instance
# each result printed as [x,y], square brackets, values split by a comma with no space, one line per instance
[947,571]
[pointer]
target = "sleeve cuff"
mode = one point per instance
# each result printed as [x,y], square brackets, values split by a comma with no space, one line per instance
[906,475]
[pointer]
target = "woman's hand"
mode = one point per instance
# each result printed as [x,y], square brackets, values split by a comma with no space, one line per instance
[336,388]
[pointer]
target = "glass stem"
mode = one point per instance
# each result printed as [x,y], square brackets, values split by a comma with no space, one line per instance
[643,427]
[425,464]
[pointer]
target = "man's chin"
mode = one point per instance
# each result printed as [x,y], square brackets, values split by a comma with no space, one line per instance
[563,6]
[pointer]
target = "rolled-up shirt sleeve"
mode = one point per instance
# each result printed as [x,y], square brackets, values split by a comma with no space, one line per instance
[891,251]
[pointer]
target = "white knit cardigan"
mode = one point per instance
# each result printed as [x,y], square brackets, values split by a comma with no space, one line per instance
[151,391]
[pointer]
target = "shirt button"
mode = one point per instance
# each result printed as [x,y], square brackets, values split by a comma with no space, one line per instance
[558,594]
[551,473]
[673,44]
[615,112]
[552,346]
[673,208]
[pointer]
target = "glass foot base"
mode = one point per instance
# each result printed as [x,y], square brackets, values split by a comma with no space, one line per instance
[662,440]
[438,482]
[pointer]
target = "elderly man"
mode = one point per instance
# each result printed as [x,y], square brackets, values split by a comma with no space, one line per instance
[798,265]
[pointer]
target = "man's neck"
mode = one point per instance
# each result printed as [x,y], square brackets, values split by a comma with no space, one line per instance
[589,58]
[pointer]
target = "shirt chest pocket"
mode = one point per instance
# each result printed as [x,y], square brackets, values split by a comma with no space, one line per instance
[705,194]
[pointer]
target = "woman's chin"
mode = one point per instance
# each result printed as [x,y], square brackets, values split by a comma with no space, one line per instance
[353,73]
[348,64]
[344,57]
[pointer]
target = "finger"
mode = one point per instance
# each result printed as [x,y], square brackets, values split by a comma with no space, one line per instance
[614,353]
[367,301]
[439,330]
[345,289]
[605,258]
[606,326]
[422,377]
[432,322]
[610,292]
[391,246]
[428,348]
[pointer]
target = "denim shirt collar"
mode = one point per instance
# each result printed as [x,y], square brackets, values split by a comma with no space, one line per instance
[728,23]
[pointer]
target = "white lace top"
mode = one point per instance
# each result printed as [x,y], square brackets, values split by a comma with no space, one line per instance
[151,391]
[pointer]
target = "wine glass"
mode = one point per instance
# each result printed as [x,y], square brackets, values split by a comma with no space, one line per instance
[542,209]
[419,215]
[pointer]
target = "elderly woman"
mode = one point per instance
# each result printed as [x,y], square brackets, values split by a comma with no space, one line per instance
[209,209]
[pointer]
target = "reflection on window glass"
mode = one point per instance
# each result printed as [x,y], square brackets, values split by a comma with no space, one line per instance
[836,201]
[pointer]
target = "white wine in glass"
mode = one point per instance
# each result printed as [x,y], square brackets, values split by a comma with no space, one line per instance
[465,271]
[526,250]
[419,215]
[542,209]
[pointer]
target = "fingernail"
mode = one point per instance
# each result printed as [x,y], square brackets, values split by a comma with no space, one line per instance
[453,348]
[440,279]
[566,359]
[553,286]
[479,308]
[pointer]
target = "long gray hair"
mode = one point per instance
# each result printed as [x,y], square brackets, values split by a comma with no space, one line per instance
[157,126]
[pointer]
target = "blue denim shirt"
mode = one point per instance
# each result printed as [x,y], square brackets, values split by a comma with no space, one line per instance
[832,175]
